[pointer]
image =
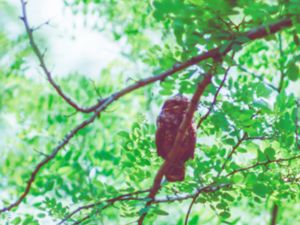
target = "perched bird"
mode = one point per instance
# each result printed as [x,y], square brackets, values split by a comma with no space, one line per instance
[168,122]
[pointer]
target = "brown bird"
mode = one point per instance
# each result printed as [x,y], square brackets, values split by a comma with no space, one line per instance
[168,122]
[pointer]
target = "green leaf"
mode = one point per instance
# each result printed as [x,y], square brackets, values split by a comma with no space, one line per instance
[161,212]
[292,71]
[124,134]
[260,156]
[262,90]
[260,189]
[225,215]
[16,221]
[236,47]
[41,215]
[251,179]
[237,178]
[194,220]
[144,210]
[228,197]
[270,153]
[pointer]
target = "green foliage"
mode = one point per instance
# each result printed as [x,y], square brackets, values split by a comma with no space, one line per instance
[246,148]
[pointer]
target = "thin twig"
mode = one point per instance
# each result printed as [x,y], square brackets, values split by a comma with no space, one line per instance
[297,123]
[253,34]
[265,163]
[41,153]
[282,74]
[213,187]
[256,76]
[256,33]
[40,57]
[51,156]
[190,209]
[234,148]
[41,25]
[127,196]
[214,99]
[263,138]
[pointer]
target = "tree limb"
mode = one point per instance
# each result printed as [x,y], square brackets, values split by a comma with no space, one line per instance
[297,123]
[214,99]
[265,163]
[232,152]
[281,66]
[274,214]
[212,187]
[190,209]
[253,34]
[41,60]
[176,152]
[123,197]
[51,156]
[256,33]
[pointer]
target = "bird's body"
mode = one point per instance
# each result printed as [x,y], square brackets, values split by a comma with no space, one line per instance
[168,122]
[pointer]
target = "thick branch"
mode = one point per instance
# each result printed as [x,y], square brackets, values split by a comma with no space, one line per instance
[274,214]
[129,197]
[99,107]
[180,197]
[177,152]
[256,33]
[51,156]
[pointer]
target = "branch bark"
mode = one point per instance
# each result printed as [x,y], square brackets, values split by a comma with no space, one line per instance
[256,33]
[212,187]
[265,163]
[128,196]
[274,214]
[177,151]
[51,156]
[253,34]
[240,141]
[214,99]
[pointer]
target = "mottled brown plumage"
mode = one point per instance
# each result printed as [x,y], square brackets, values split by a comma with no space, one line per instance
[168,123]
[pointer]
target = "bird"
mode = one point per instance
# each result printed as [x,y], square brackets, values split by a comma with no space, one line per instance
[168,122]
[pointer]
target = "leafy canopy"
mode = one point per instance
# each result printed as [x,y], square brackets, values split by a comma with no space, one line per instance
[247,156]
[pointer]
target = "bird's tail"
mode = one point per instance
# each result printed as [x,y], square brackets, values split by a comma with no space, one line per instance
[176,173]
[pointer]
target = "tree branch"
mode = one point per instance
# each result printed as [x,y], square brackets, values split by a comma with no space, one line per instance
[297,123]
[128,197]
[282,74]
[206,189]
[256,33]
[256,76]
[263,164]
[214,99]
[190,209]
[41,60]
[253,34]
[51,156]
[232,152]
[123,197]
[176,152]
[274,214]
